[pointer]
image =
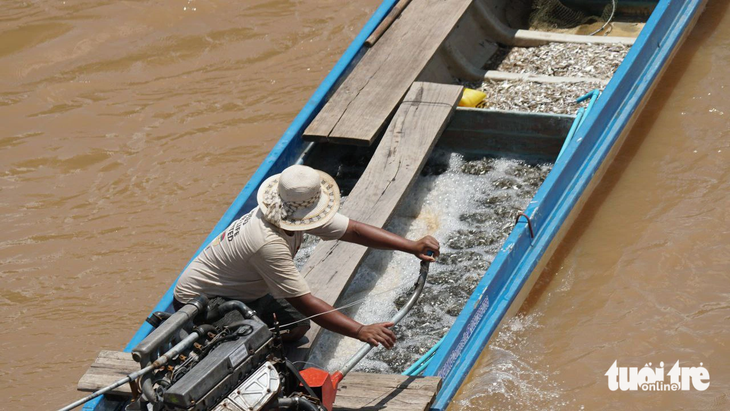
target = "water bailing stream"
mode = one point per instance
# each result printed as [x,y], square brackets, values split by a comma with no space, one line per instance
[469,205]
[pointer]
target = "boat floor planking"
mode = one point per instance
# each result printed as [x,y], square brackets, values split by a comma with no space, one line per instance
[394,166]
[538,78]
[472,132]
[395,392]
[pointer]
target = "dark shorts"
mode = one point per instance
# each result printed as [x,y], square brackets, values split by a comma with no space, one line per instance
[266,307]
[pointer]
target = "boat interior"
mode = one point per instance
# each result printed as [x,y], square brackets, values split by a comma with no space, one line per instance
[462,43]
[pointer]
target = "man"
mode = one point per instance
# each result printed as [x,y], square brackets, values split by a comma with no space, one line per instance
[252,260]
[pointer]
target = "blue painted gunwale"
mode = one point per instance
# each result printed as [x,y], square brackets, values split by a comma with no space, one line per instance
[560,197]
[285,153]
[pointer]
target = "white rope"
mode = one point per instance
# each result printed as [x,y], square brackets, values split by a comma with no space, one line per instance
[348,305]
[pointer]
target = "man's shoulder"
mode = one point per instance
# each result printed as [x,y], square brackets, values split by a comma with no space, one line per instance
[333,229]
[258,231]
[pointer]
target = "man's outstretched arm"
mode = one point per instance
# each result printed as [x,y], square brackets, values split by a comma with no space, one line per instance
[335,321]
[374,237]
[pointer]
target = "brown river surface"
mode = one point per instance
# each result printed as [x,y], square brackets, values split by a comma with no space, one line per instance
[644,274]
[129,127]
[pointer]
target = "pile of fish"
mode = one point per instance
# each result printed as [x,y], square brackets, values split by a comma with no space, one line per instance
[536,97]
[564,59]
[597,61]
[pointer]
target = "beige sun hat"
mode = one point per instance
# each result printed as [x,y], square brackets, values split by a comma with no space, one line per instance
[300,198]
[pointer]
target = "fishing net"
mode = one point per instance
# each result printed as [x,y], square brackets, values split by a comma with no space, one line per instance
[565,14]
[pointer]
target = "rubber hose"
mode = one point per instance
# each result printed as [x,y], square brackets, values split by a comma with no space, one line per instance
[297,403]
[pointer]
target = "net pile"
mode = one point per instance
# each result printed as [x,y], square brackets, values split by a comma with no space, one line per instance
[556,14]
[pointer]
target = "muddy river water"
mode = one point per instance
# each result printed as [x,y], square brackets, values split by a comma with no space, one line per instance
[127,128]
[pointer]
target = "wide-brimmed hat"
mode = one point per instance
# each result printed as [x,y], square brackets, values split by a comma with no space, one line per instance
[300,198]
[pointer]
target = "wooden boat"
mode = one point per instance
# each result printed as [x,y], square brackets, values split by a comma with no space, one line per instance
[393,103]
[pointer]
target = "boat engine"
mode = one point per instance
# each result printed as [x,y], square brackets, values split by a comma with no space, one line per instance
[220,356]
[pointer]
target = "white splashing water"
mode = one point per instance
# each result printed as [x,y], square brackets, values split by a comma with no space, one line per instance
[470,207]
[506,381]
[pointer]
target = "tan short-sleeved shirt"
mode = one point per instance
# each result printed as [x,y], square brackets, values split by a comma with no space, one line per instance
[250,259]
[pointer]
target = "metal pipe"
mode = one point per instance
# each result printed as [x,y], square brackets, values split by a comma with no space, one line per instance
[162,360]
[131,377]
[594,96]
[573,129]
[422,362]
[580,116]
[305,153]
[365,349]
[610,19]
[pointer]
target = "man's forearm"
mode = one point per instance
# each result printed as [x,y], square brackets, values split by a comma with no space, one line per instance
[374,237]
[334,321]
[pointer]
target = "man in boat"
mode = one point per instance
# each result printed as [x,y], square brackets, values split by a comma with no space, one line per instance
[252,260]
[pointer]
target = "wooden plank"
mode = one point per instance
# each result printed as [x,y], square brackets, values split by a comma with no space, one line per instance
[531,37]
[539,78]
[395,399]
[109,367]
[399,158]
[362,391]
[118,355]
[360,107]
[392,381]
[92,382]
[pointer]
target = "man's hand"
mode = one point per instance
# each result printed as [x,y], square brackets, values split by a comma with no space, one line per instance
[374,237]
[423,246]
[375,334]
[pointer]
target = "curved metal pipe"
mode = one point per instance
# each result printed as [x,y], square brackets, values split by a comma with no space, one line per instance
[148,391]
[365,349]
